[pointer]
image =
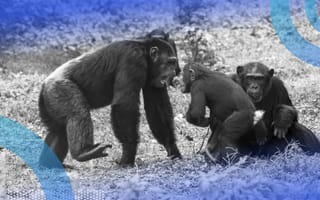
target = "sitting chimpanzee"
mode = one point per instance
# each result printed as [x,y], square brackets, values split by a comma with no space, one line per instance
[112,75]
[268,93]
[231,111]
[160,34]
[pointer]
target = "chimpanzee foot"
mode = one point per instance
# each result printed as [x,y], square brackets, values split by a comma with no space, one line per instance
[92,152]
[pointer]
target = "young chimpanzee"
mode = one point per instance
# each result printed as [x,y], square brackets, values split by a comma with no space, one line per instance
[231,111]
[113,75]
[268,93]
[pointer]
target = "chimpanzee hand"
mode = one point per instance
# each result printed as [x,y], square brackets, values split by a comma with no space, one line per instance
[284,117]
[280,132]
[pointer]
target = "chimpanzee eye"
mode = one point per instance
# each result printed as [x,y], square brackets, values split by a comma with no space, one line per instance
[250,78]
[259,78]
[255,78]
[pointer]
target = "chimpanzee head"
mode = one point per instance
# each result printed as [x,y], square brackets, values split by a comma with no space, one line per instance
[191,73]
[162,62]
[160,34]
[255,79]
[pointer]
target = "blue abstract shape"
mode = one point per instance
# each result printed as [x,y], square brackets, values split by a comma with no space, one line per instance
[27,145]
[311,12]
[288,34]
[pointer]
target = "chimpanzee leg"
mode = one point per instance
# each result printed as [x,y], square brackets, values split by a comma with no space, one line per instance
[216,127]
[226,137]
[57,141]
[160,118]
[125,124]
[273,145]
[306,139]
[66,106]
[237,125]
[56,138]
[80,137]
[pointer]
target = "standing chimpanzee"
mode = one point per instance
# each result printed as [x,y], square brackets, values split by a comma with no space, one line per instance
[160,34]
[268,93]
[112,75]
[231,111]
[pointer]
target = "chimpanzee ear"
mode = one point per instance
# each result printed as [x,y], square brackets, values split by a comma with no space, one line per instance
[192,74]
[240,70]
[154,53]
[271,72]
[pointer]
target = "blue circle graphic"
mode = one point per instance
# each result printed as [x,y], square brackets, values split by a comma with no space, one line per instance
[288,34]
[311,12]
[27,145]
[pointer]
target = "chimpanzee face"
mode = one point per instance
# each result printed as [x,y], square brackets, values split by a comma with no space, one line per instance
[255,79]
[188,78]
[163,67]
[160,34]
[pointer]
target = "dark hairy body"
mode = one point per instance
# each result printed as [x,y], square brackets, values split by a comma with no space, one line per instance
[113,75]
[268,93]
[231,110]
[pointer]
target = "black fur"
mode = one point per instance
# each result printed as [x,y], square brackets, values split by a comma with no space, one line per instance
[113,75]
[280,116]
[231,110]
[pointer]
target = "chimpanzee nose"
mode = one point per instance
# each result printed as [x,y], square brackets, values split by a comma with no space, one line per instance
[255,87]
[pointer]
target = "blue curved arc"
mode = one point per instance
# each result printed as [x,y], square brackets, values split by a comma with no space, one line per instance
[311,13]
[288,34]
[27,145]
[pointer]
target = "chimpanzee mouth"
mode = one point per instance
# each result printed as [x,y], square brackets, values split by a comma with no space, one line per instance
[255,97]
[164,82]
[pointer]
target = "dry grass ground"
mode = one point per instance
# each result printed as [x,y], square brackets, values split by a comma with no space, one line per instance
[290,175]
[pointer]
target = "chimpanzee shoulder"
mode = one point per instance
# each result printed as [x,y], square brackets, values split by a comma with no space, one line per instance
[278,93]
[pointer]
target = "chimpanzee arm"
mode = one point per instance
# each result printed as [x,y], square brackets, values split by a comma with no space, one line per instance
[160,118]
[284,114]
[197,109]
